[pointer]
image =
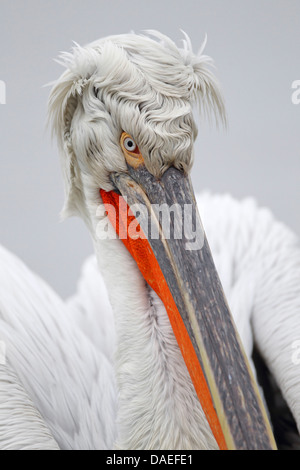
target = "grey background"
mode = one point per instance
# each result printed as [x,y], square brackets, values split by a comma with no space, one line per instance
[256,47]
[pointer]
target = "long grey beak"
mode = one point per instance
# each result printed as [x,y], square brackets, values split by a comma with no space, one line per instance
[186,262]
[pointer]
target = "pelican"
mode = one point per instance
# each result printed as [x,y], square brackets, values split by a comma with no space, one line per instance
[155,350]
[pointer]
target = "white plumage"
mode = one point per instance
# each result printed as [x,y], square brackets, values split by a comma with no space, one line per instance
[103,370]
[62,353]
[40,334]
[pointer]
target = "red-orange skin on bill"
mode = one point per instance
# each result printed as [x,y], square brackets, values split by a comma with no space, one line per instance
[141,251]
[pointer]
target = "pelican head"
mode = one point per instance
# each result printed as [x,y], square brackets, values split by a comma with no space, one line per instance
[123,115]
[144,86]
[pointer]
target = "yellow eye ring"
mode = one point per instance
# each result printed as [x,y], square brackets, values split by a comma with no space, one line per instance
[131,151]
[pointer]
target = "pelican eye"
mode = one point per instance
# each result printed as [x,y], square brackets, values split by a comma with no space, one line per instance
[129,144]
[131,151]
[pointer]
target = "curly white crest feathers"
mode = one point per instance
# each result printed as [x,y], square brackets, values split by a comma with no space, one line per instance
[143,84]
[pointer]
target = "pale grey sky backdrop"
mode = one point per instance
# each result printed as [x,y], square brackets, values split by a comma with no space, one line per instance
[256,48]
